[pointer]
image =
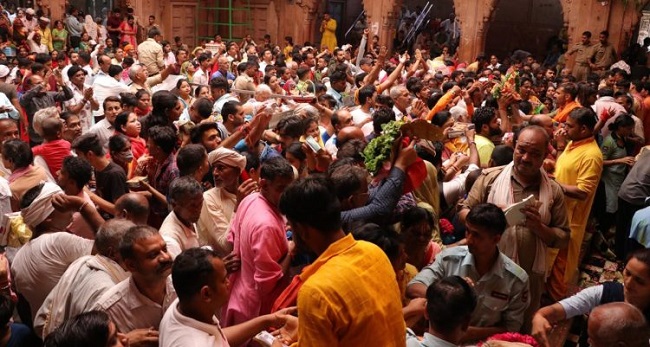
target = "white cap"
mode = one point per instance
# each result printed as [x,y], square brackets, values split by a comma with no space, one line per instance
[30,11]
[4,71]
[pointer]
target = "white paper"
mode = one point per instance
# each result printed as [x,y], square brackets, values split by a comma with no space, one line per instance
[513,213]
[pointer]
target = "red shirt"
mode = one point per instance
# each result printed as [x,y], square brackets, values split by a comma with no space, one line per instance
[53,152]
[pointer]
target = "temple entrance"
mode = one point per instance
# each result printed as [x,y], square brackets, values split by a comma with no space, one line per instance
[529,25]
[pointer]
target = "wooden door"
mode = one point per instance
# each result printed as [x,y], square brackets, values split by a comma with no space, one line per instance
[183,22]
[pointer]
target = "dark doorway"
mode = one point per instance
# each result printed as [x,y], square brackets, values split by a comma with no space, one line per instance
[529,25]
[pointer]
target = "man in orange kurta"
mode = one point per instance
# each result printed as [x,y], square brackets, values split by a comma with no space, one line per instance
[565,96]
[578,171]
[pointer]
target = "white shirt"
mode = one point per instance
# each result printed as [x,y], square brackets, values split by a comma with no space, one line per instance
[104,131]
[359,116]
[40,263]
[86,114]
[130,309]
[177,236]
[177,330]
[105,86]
[200,77]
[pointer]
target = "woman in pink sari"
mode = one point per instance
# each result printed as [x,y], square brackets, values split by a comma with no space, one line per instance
[128,29]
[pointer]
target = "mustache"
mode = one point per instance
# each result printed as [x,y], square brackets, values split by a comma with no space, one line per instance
[164,266]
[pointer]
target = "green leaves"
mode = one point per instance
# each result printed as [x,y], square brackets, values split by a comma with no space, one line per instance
[380,148]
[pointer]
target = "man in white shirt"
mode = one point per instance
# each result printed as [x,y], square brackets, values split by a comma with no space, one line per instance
[202,75]
[140,301]
[201,282]
[85,280]
[179,227]
[74,61]
[363,115]
[83,102]
[104,128]
[105,86]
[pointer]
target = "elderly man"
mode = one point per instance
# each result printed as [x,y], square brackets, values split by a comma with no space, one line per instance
[140,79]
[258,235]
[617,324]
[223,70]
[545,226]
[340,119]
[8,131]
[501,285]
[140,301]
[179,228]
[150,52]
[37,97]
[40,263]
[578,170]
[220,202]
[85,280]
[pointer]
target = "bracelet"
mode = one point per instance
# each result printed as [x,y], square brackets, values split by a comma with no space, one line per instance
[472,143]
[82,206]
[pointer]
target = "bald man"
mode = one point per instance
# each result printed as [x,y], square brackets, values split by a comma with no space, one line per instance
[618,324]
[133,207]
[349,133]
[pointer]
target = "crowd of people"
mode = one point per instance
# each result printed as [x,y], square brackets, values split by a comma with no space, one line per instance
[242,193]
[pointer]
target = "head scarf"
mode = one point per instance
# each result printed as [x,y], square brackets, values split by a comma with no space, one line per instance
[41,207]
[228,157]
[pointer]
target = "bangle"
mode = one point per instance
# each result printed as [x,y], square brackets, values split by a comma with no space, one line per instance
[472,143]
[82,206]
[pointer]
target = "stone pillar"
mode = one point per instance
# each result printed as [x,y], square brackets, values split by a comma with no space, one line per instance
[381,17]
[644,27]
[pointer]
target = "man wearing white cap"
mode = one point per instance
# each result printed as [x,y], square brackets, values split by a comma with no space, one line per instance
[30,22]
[8,89]
[46,33]
[220,202]
[40,263]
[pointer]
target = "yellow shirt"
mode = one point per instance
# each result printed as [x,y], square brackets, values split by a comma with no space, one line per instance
[350,298]
[581,165]
[46,37]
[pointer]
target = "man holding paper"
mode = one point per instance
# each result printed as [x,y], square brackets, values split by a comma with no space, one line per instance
[545,223]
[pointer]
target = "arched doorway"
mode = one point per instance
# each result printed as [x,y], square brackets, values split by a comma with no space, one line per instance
[530,25]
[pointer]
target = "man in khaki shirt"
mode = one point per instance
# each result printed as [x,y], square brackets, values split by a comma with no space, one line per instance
[581,68]
[150,52]
[603,55]
[544,226]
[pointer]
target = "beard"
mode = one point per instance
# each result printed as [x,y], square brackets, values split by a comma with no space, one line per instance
[495,132]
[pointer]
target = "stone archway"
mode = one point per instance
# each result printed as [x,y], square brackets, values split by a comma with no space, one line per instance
[530,25]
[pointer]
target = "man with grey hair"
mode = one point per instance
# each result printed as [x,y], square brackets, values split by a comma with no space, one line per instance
[150,52]
[140,79]
[402,101]
[179,227]
[85,280]
[618,324]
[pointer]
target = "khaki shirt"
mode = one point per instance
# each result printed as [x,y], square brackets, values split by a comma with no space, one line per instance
[150,54]
[583,53]
[604,56]
[502,294]
[526,239]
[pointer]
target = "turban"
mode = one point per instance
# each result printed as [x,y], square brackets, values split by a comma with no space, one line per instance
[228,157]
[41,207]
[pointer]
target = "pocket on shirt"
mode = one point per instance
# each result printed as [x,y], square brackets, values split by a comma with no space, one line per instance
[495,304]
